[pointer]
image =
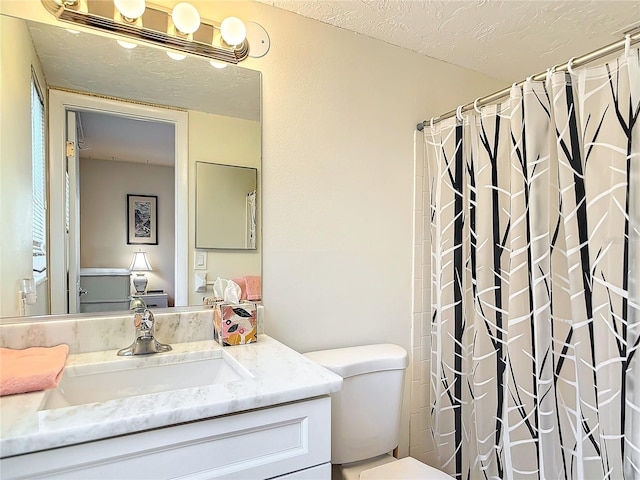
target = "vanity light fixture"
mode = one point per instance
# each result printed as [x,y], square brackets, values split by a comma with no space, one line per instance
[139,265]
[80,5]
[179,29]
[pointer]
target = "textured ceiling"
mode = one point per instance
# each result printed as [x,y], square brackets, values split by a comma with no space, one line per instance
[104,136]
[508,40]
[92,63]
[95,64]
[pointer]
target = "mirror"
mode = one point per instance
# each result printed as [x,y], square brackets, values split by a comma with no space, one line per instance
[225,206]
[223,107]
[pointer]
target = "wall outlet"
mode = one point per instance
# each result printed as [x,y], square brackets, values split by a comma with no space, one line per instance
[201,281]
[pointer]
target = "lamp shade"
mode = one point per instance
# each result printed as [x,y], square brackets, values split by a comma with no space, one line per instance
[140,263]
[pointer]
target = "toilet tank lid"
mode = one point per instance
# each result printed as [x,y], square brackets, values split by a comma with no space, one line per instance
[351,361]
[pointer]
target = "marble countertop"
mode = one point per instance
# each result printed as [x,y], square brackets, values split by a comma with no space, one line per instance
[277,374]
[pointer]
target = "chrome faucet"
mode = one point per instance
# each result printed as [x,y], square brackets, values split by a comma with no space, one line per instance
[144,322]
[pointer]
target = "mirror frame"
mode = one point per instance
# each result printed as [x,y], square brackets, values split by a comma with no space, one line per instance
[59,102]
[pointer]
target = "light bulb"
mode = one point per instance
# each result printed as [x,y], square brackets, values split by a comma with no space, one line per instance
[185,17]
[176,56]
[130,9]
[128,45]
[218,64]
[233,31]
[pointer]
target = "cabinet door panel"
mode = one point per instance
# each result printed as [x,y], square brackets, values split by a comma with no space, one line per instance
[252,445]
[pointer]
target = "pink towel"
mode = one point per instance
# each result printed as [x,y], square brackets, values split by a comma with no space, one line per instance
[242,283]
[251,287]
[32,369]
[254,287]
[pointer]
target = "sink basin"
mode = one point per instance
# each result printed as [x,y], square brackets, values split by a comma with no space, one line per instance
[129,377]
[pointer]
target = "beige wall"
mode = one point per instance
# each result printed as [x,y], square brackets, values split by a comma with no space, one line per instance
[104,186]
[16,239]
[230,141]
[339,112]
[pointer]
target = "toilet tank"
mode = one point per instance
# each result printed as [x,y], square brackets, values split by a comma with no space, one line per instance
[365,414]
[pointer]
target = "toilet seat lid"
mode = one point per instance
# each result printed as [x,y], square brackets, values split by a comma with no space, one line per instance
[407,468]
[351,361]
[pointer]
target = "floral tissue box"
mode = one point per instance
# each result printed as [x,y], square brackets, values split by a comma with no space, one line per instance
[235,324]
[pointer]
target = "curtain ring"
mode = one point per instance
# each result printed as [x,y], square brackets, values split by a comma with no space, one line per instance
[627,44]
[529,78]
[552,69]
[570,65]
[475,106]
[431,123]
[459,113]
[549,73]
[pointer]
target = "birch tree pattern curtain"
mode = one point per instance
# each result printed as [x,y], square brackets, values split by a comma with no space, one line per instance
[535,234]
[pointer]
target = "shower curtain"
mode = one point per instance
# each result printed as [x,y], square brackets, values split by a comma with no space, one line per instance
[535,245]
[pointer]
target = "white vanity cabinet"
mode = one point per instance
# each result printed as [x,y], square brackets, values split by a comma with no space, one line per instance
[289,441]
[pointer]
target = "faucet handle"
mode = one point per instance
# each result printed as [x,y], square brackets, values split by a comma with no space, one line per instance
[144,321]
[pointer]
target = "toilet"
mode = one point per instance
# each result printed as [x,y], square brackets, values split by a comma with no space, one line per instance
[365,414]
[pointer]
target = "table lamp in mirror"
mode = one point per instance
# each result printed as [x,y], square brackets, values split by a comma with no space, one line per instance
[139,265]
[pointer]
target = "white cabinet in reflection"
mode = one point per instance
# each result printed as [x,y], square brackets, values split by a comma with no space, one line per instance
[104,289]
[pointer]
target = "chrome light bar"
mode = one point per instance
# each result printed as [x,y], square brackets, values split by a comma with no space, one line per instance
[154,26]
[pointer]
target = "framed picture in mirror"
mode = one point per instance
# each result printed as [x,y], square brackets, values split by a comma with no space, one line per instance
[142,219]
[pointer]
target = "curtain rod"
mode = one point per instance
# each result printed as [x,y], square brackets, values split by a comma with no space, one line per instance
[575,62]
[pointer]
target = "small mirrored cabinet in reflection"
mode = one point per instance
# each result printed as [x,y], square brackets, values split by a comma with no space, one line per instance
[225,206]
